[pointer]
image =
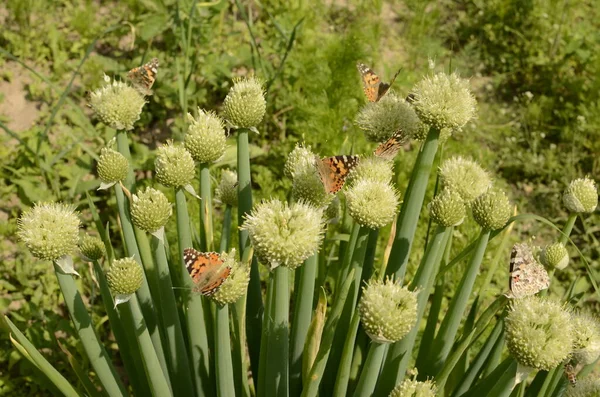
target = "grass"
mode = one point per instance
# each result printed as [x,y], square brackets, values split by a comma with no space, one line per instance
[307,55]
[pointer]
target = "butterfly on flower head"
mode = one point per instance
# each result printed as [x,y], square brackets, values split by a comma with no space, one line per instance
[333,171]
[373,87]
[143,77]
[527,275]
[206,270]
[389,149]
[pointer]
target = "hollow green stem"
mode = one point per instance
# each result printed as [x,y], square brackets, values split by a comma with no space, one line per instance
[343,376]
[94,350]
[400,353]
[223,363]
[567,229]
[254,304]
[277,373]
[411,207]
[449,327]
[123,148]
[264,346]
[302,316]
[499,383]
[370,372]
[226,231]
[206,224]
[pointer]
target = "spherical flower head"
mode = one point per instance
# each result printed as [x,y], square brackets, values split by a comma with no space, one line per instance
[372,204]
[332,213]
[372,168]
[380,120]
[308,187]
[206,138]
[448,208]
[245,104]
[150,209]
[491,210]
[284,234]
[421,131]
[49,230]
[586,330]
[414,388]
[174,166]
[300,161]
[555,256]
[227,192]
[112,166]
[444,101]
[92,248]
[236,284]
[117,104]
[588,387]
[388,311]
[466,177]
[539,332]
[581,196]
[125,276]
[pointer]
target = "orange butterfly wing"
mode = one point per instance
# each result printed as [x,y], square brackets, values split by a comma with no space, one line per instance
[373,87]
[143,77]
[334,171]
[389,149]
[206,270]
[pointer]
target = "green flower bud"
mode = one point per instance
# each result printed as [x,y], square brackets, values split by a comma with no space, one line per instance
[421,132]
[49,230]
[555,256]
[380,120]
[413,388]
[124,277]
[150,209]
[284,234]
[308,188]
[117,104]
[332,213]
[539,332]
[581,196]
[174,166]
[585,388]
[245,104]
[388,311]
[112,166]
[374,169]
[444,101]
[586,330]
[491,210]
[206,138]
[227,192]
[466,177]
[448,208]
[372,204]
[92,248]
[236,284]
[301,160]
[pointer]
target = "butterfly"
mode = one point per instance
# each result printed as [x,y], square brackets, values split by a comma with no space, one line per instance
[373,87]
[571,374]
[527,275]
[206,270]
[389,149]
[143,77]
[333,171]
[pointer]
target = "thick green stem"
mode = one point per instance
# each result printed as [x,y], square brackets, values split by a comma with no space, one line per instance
[567,229]
[400,353]
[277,375]
[226,231]
[411,207]
[123,147]
[303,303]
[316,373]
[449,327]
[94,350]
[198,349]
[261,382]
[176,353]
[159,384]
[499,383]
[128,348]
[370,373]
[345,365]
[254,304]
[206,224]
[223,363]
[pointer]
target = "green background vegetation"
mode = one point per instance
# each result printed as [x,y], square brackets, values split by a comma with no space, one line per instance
[533,65]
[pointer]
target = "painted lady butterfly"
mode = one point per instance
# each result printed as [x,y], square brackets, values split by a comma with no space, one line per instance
[206,270]
[527,276]
[143,77]
[389,149]
[334,171]
[373,87]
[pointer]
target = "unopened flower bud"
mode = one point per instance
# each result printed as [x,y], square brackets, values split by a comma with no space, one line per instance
[380,120]
[112,166]
[372,168]
[586,329]
[227,192]
[372,204]
[205,138]
[150,209]
[92,248]
[245,104]
[300,161]
[464,176]
[581,196]
[491,210]
[117,104]
[124,277]
[555,256]
[174,166]
[388,311]
[447,208]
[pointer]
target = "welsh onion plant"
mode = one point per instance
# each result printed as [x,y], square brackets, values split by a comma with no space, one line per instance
[333,319]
